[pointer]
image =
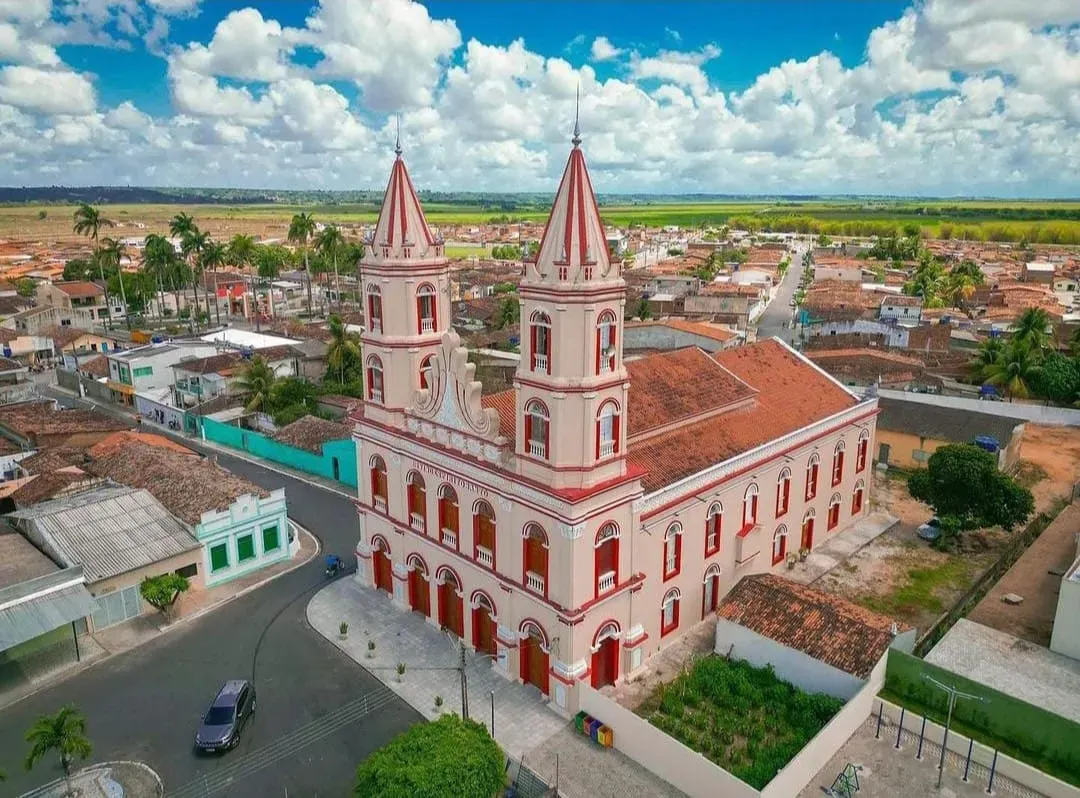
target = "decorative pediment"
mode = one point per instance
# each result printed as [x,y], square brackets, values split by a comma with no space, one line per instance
[452,400]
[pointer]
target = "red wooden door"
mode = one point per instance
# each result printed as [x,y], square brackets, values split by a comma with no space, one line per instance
[419,593]
[808,534]
[483,631]
[384,579]
[605,663]
[451,613]
[534,664]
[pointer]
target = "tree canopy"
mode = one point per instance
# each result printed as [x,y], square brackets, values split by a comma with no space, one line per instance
[162,591]
[449,756]
[962,482]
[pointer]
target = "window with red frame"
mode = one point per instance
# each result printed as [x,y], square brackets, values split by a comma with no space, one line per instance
[374,309]
[860,452]
[838,464]
[673,551]
[425,309]
[378,483]
[834,512]
[448,516]
[537,429]
[416,493]
[374,379]
[779,544]
[713,522]
[606,558]
[425,372]
[710,594]
[783,492]
[536,559]
[857,499]
[484,534]
[540,343]
[605,342]
[607,430]
[812,477]
[749,510]
[669,611]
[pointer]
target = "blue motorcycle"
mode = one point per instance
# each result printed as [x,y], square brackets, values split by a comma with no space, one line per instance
[334,566]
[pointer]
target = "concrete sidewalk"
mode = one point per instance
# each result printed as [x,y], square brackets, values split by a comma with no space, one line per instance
[107,780]
[838,548]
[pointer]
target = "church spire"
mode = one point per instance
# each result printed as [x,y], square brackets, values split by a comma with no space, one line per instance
[397,142]
[576,140]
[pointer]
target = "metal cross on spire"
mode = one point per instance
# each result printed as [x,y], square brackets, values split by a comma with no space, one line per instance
[576,140]
[397,143]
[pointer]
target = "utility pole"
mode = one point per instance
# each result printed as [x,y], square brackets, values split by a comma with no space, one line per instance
[953,695]
[464,681]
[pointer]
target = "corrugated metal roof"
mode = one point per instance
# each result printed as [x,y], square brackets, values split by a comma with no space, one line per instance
[35,616]
[108,530]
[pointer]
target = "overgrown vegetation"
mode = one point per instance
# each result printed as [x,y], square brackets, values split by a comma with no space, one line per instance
[743,718]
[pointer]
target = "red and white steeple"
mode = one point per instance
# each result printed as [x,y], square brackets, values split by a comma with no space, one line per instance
[571,384]
[406,281]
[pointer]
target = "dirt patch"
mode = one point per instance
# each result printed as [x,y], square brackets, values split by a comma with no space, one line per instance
[666,666]
[1055,453]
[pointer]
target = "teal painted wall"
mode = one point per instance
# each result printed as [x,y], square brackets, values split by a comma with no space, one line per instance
[259,445]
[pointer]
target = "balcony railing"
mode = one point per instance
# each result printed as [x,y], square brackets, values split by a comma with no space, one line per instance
[606,581]
[416,521]
[538,448]
[380,503]
[427,325]
[540,364]
[485,556]
[449,537]
[376,395]
[607,448]
[376,326]
[534,582]
[605,365]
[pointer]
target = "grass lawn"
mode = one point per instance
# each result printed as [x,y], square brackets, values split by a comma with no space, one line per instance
[923,588]
[743,718]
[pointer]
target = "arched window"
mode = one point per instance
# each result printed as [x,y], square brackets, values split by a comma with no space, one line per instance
[609,631]
[374,309]
[838,464]
[425,372]
[378,483]
[416,563]
[448,516]
[812,466]
[857,497]
[425,309]
[779,544]
[530,629]
[669,611]
[537,427]
[783,492]
[749,509]
[417,496]
[607,430]
[834,512]
[673,551]
[480,600]
[710,593]
[535,541]
[374,379]
[606,558]
[714,520]
[446,576]
[484,534]
[540,342]
[605,342]
[860,451]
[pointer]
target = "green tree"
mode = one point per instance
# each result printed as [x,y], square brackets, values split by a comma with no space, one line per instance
[1032,326]
[343,352]
[213,256]
[64,733]
[108,256]
[88,222]
[1058,378]
[291,398]
[255,383]
[163,590]
[301,229]
[508,314]
[183,227]
[25,286]
[970,269]
[329,242]
[989,355]
[1016,368]
[159,256]
[79,269]
[449,756]
[963,482]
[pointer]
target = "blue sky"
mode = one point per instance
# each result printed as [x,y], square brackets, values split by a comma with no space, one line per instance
[931,97]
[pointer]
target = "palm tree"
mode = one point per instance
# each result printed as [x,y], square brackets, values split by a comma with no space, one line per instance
[109,254]
[192,246]
[1074,342]
[1015,369]
[343,349]
[213,255]
[183,227]
[88,222]
[301,229]
[241,253]
[1031,326]
[989,355]
[255,383]
[959,288]
[329,243]
[158,257]
[65,733]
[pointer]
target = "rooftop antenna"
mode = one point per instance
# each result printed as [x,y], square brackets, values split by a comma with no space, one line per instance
[397,143]
[576,140]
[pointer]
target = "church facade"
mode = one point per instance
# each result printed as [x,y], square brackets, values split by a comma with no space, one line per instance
[577,524]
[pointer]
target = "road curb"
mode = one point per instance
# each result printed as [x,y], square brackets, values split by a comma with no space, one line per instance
[44,789]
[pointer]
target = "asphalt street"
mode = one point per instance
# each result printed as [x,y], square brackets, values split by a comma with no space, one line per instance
[779,312]
[319,714]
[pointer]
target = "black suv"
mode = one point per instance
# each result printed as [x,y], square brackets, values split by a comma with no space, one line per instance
[227,716]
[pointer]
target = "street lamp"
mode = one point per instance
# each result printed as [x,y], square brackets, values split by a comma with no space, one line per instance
[492,696]
[953,695]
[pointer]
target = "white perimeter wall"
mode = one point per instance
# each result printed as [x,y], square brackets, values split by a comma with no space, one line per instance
[1065,638]
[802,670]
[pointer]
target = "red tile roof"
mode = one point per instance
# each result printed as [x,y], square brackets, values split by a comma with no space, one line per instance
[504,404]
[311,432]
[78,290]
[825,627]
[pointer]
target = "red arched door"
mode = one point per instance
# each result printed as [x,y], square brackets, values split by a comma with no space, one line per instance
[808,534]
[384,578]
[419,591]
[534,660]
[451,605]
[605,663]
[483,627]
[710,599]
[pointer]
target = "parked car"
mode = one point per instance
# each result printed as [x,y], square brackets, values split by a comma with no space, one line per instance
[228,715]
[931,530]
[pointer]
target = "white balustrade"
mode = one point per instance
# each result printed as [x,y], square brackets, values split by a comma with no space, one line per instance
[380,504]
[540,364]
[416,521]
[427,325]
[538,449]
[607,448]
[485,556]
[607,581]
[534,582]
[449,537]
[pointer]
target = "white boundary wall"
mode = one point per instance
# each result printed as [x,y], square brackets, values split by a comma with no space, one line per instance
[1007,767]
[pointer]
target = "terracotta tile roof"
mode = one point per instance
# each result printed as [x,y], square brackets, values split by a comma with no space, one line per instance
[6,335]
[43,418]
[712,331]
[791,394]
[214,364]
[120,439]
[64,336]
[505,405]
[7,364]
[891,357]
[311,432]
[673,386]
[49,460]
[825,627]
[187,486]
[79,290]
[95,366]
[338,400]
[46,486]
